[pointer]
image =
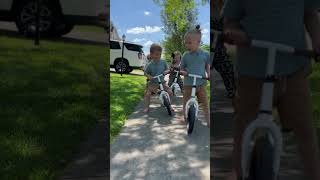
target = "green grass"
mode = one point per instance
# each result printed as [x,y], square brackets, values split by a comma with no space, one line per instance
[315,89]
[84,28]
[51,97]
[125,93]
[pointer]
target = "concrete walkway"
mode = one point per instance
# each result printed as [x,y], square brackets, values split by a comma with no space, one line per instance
[221,140]
[155,146]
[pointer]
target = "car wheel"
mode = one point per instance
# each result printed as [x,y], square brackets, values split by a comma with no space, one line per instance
[25,17]
[64,29]
[130,69]
[124,65]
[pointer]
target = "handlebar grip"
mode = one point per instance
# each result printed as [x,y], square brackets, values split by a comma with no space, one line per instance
[307,53]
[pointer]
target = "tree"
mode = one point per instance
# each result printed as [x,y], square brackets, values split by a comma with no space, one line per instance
[177,16]
[205,47]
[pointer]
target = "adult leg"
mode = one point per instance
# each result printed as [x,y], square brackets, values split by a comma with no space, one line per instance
[295,108]
[246,104]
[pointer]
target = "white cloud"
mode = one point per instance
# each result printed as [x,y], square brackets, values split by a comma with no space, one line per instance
[148,44]
[139,40]
[147,13]
[146,29]
[205,31]
[206,24]
[205,38]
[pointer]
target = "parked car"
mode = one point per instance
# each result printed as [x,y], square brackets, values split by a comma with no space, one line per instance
[57,17]
[133,56]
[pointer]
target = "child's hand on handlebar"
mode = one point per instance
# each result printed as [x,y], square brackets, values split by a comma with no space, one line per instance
[166,72]
[184,73]
[236,37]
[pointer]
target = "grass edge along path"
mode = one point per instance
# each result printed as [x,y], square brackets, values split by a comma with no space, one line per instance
[125,93]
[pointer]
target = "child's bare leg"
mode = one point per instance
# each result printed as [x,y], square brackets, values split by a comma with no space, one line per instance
[295,107]
[147,96]
[202,96]
[169,91]
[186,97]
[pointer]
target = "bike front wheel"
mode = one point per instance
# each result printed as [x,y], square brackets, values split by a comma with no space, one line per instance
[191,118]
[167,104]
[262,160]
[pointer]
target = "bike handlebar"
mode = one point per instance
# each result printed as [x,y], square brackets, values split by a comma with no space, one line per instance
[155,77]
[197,76]
[279,47]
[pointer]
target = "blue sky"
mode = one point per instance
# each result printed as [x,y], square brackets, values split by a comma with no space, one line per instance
[140,21]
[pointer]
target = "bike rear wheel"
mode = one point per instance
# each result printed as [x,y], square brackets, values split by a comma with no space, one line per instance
[191,118]
[262,160]
[166,103]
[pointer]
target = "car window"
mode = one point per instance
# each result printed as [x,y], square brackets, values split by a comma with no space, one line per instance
[114,45]
[133,47]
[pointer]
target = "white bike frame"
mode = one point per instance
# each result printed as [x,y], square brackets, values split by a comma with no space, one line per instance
[193,101]
[175,84]
[163,92]
[264,122]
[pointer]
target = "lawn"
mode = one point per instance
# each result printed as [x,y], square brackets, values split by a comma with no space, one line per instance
[94,29]
[315,88]
[125,93]
[51,98]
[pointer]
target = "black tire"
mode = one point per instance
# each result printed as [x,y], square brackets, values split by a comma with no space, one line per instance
[121,63]
[25,17]
[166,103]
[191,118]
[262,160]
[64,29]
[130,69]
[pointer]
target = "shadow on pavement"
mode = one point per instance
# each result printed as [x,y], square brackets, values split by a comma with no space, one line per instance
[155,146]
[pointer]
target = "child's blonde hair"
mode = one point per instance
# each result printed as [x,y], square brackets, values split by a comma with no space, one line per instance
[155,47]
[196,31]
